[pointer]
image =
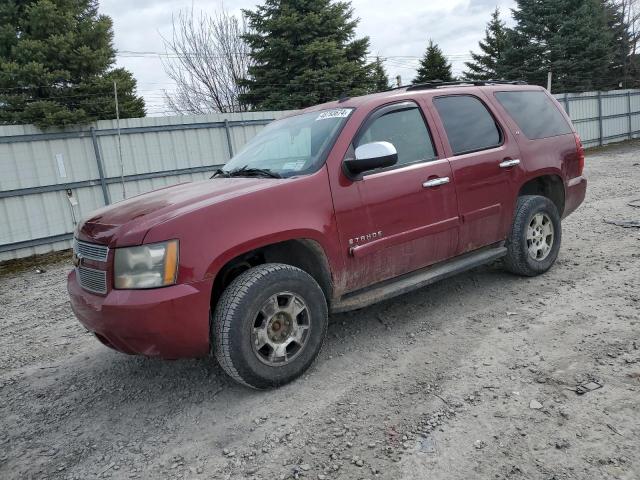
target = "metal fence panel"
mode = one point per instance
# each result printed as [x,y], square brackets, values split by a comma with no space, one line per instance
[603,117]
[615,127]
[36,214]
[614,105]
[28,164]
[581,108]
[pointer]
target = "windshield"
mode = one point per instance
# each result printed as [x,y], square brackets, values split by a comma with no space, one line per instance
[292,146]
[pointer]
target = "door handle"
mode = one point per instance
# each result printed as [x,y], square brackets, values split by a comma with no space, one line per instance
[436,182]
[509,163]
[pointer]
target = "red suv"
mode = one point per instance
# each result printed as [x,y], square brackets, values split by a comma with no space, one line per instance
[331,209]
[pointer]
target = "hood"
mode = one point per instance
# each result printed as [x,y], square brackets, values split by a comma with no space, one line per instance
[127,222]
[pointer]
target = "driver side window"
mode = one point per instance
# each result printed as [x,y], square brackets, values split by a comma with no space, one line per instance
[406,130]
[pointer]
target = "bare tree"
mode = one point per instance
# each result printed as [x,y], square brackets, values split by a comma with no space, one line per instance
[630,11]
[206,57]
[631,15]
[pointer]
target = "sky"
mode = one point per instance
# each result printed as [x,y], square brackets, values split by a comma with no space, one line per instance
[398,31]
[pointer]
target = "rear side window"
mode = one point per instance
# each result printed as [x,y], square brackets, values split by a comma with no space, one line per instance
[406,130]
[469,125]
[535,113]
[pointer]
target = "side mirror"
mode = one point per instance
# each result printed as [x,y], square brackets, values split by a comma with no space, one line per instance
[371,156]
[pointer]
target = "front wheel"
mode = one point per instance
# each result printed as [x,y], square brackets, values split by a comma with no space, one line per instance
[269,325]
[534,242]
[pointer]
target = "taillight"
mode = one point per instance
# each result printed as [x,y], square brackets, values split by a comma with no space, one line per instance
[580,152]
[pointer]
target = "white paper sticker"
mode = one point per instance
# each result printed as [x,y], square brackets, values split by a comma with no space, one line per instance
[61,170]
[335,113]
[293,165]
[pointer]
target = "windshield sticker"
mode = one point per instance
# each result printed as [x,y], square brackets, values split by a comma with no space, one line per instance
[293,165]
[335,113]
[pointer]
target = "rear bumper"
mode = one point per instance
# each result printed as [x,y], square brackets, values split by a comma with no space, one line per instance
[575,193]
[170,322]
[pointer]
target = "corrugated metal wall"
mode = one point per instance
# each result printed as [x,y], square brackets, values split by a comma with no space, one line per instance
[603,117]
[37,216]
[36,213]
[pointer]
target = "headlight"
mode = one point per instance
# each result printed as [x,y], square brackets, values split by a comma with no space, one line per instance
[146,266]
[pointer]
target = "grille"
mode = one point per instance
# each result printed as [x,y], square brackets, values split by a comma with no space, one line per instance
[91,251]
[92,280]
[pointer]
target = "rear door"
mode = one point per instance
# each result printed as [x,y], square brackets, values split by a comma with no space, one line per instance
[399,219]
[485,163]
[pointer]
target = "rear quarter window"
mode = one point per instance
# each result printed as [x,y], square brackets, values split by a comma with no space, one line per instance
[534,112]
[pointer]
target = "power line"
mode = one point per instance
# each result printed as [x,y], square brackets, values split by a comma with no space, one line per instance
[196,54]
[167,55]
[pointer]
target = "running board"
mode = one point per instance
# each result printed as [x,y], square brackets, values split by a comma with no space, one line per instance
[418,279]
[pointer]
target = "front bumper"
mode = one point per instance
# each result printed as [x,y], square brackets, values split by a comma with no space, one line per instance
[575,193]
[170,322]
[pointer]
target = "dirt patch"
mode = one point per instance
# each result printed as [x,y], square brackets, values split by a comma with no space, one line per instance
[473,377]
[35,262]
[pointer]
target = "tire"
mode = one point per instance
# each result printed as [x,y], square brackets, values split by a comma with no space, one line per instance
[260,308]
[536,254]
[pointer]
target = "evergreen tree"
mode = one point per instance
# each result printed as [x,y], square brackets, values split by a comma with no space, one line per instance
[486,65]
[305,52]
[433,66]
[56,59]
[570,38]
[380,80]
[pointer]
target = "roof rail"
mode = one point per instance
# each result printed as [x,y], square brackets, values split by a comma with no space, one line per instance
[470,83]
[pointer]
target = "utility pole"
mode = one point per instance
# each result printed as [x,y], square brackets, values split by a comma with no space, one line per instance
[115,92]
[549,81]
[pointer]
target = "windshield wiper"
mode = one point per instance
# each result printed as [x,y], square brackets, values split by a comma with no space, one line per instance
[220,173]
[246,172]
[253,172]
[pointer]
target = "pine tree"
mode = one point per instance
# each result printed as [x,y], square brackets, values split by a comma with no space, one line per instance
[486,65]
[380,80]
[570,38]
[433,66]
[56,65]
[305,52]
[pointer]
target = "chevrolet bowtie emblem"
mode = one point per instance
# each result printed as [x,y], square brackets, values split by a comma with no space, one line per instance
[77,259]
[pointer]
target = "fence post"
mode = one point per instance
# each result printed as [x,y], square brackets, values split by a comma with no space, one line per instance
[566,104]
[600,117]
[629,115]
[229,144]
[103,183]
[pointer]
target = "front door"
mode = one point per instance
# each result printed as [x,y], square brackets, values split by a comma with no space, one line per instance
[402,218]
[484,163]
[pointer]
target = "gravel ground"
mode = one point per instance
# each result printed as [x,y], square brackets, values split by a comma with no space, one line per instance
[471,378]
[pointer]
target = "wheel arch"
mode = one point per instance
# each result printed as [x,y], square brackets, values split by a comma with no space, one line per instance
[306,254]
[547,184]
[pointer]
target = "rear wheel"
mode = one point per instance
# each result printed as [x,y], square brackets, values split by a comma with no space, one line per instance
[269,325]
[534,242]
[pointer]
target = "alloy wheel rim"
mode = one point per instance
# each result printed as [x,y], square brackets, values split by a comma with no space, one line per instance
[280,329]
[540,236]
